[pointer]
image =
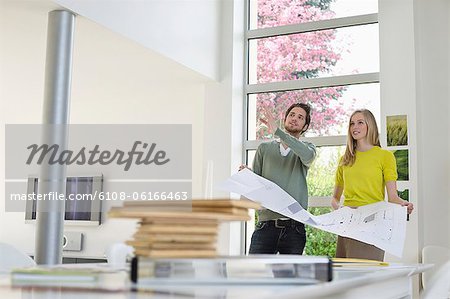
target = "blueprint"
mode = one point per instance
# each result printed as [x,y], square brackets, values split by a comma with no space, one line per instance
[381,224]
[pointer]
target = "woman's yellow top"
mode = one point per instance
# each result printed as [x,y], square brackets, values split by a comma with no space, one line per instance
[364,182]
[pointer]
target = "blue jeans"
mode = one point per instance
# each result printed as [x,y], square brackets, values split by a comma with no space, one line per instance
[278,236]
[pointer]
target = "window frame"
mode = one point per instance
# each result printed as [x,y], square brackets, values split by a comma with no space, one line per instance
[343,80]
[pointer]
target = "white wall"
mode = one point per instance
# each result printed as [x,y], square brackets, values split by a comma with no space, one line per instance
[433,97]
[224,115]
[114,81]
[398,96]
[415,78]
[186,31]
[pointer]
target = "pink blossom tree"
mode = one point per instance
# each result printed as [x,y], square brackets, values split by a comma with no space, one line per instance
[297,57]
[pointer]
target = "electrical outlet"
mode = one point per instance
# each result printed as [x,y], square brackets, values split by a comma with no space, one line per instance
[72,241]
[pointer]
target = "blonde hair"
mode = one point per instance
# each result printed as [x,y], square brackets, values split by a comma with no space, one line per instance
[372,137]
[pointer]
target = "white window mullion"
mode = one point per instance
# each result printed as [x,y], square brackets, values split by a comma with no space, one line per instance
[313,83]
[317,141]
[319,201]
[313,26]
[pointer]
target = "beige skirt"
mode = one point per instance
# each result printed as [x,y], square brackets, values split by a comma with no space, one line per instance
[350,248]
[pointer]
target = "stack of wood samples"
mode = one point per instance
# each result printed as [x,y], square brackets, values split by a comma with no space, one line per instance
[181,231]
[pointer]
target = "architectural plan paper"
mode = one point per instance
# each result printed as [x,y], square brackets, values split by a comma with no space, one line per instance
[381,224]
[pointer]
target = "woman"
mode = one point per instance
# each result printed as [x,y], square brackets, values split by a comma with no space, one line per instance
[363,173]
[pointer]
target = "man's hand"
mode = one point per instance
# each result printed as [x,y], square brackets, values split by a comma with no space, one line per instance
[268,119]
[242,166]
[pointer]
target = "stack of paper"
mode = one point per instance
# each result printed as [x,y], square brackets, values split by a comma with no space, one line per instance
[188,237]
[177,231]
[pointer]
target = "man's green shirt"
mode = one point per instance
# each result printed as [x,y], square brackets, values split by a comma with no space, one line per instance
[289,172]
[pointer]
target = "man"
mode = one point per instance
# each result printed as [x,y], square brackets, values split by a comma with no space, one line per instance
[285,163]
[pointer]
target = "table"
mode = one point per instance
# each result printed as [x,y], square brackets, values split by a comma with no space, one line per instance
[393,281]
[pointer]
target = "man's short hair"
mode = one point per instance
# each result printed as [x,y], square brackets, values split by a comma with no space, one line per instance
[305,107]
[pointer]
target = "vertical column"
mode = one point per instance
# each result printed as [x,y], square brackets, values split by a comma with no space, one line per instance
[52,178]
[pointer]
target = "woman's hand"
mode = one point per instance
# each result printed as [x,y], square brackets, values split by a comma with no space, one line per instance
[391,187]
[409,205]
[335,201]
[335,204]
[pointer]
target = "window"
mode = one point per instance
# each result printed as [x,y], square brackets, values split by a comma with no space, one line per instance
[321,52]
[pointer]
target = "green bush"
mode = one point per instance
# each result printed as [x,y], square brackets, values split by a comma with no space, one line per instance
[321,178]
[319,242]
[404,194]
[401,157]
[321,173]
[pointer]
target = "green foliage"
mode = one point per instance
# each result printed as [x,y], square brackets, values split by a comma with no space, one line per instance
[321,180]
[397,133]
[321,183]
[321,173]
[322,4]
[305,74]
[401,156]
[319,242]
[404,194]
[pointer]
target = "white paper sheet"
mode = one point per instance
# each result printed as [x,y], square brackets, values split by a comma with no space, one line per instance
[381,224]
